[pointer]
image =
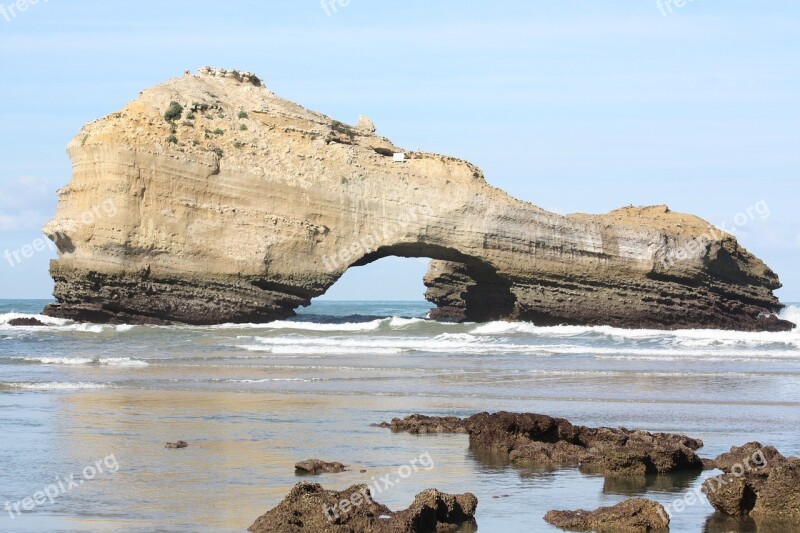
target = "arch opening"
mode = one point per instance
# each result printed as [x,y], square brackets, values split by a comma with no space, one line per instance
[388,279]
[463,288]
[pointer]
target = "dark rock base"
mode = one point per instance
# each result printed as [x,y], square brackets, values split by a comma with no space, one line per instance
[100,298]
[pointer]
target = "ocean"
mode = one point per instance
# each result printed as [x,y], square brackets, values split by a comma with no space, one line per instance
[98,403]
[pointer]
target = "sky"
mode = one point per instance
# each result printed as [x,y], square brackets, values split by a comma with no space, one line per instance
[576,106]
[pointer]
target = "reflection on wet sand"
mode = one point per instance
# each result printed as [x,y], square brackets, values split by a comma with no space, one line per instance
[241,454]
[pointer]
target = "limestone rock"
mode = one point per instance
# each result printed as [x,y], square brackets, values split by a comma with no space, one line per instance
[631,515]
[309,507]
[248,206]
[365,124]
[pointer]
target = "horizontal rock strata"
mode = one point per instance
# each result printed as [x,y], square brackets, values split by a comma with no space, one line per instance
[209,199]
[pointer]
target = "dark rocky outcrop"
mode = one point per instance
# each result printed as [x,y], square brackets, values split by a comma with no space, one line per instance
[23,322]
[310,508]
[421,424]
[317,466]
[257,205]
[530,438]
[632,515]
[756,480]
[177,445]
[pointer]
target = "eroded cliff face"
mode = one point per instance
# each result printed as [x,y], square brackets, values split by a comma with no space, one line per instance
[246,206]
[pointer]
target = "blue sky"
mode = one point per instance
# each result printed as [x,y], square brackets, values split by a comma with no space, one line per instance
[572,105]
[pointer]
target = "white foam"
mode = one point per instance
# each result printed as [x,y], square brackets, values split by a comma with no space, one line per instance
[57,324]
[394,322]
[314,326]
[458,337]
[385,345]
[123,361]
[682,337]
[56,385]
[399,322]
[669,347]
[110,361]
[317,350]
[59,360]
[791,313]
[87,328]
[266,380]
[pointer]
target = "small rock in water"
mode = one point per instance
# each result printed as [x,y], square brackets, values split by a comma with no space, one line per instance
[316,466]
[17,322]
[179,444]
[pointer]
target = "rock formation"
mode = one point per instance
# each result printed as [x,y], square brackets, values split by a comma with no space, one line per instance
[209,199]
[530,438]
[317,466]
[756,480]
[309,507]
[634,515]
[26,322]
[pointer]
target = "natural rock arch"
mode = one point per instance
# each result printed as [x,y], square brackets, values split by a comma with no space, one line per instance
[473,291]
[253,205]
